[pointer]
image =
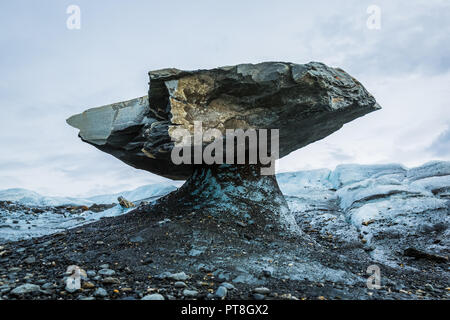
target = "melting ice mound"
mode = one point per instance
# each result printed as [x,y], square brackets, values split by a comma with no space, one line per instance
[385,209]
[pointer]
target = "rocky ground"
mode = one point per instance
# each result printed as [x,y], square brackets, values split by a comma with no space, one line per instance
[351,218]
[143,254]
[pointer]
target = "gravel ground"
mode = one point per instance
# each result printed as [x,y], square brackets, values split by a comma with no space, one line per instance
[150,253]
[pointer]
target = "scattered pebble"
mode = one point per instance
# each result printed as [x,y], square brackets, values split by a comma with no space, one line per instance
[154,296]
[100,293]
[180,276]
[180,284]
[429,287]
[91,273]
[190,293]
[30,260]
[88,285]
[137,239]
[111,280]
[221,292]
[258,296]
[261,290]
[106,272]
[163,222]
[25,288]
[227,285]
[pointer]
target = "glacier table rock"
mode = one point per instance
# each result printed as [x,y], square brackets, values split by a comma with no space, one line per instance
[305,102]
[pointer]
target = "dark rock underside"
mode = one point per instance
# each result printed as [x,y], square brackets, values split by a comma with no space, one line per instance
[139,247]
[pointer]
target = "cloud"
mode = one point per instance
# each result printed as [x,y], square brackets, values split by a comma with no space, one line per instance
[49,73]
[441,145]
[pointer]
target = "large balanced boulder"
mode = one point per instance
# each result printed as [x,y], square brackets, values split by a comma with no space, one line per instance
[305,103]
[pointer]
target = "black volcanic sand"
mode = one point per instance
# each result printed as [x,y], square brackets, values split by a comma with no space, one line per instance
[139,247]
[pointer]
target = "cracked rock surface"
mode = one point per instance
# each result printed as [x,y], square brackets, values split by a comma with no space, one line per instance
[305,102]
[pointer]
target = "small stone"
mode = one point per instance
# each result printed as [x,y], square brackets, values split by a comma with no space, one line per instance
[4,289]
[136,239]
[48,285]
[111,280]
[221,292]
[261,290]
[154,296]
[106,272]
[100,293]
[180,276]
[163,275]
[91,273]
[180,284]
[25,288]
[258,296]
[190,293]
[205,268]
[163,222]
[223,276]
[30,260]
[227,285]
[194,252]
[104,266]
[147,260]
[125,203]
[88,285]
[429,287]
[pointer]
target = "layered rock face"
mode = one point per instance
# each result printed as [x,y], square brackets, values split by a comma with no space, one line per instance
[304,102]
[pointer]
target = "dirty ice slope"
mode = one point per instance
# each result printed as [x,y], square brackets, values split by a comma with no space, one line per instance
[384,209]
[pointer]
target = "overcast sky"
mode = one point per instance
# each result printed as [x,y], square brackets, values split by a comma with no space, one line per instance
[49,72]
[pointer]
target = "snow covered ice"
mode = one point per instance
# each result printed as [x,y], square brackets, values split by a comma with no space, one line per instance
[21,222]
[387,208]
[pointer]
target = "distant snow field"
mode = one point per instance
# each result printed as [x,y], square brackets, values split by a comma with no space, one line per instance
[21,222]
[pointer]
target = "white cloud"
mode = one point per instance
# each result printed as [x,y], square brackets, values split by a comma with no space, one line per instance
[49,73]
